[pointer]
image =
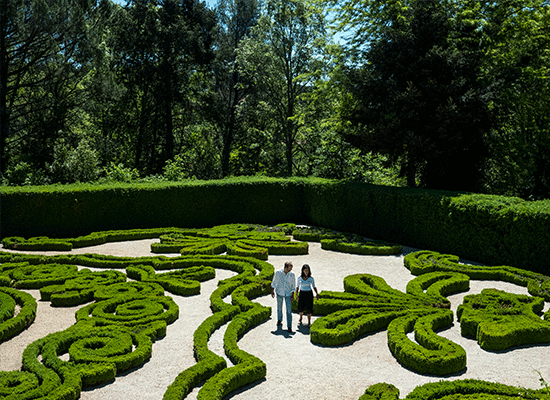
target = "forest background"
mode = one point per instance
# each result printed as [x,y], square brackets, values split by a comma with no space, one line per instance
[444,94]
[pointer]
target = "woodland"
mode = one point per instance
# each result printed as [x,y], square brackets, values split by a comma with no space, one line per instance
[439,94]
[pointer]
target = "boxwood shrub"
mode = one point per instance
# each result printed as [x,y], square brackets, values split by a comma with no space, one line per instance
[500,320]
[425,261]
[10,324]
[461,389]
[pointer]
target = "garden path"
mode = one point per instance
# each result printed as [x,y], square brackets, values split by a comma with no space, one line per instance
[296,368]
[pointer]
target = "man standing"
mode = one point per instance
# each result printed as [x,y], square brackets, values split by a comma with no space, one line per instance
[284,284]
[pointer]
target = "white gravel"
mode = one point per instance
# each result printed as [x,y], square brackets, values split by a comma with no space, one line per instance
[296,368]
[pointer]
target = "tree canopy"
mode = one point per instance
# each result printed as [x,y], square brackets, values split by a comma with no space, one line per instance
[447,94]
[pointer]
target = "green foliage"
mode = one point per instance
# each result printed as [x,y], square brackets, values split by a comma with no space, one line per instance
[455,389]
[81,289]
[11,324]
[377,306]
[365,247]
[78,164]
[183,282]
[425,261]
[120,173]
[416,96]
[500,320]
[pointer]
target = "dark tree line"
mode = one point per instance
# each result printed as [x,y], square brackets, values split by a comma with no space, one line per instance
[449,94]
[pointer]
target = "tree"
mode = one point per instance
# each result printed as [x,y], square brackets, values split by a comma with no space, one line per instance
[515,35]
[416,98]
[236,19]
[159,46]
[280,60]
[45,53]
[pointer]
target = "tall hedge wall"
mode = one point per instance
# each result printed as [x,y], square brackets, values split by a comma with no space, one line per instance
[490,229]
[70,210]
[484,228]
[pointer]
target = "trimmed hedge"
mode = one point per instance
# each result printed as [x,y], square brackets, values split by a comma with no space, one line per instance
[81,289]
[465,389]
[432,354]
[488,229]
[425,261]
[370,305]
[10,324]
[183,282]
[364,247]
[130,310]
[248,368]
[115,333]
[500,320]
[74,210]
[485,228]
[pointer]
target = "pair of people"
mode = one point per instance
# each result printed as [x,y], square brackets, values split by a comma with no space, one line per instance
[285,286]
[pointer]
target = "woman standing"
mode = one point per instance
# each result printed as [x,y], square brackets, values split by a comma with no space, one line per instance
[304,289]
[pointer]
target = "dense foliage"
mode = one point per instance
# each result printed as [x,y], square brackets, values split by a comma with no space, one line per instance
[447,94]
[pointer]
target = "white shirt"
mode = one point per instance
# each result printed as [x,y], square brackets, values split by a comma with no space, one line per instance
[284,284]
[306,285]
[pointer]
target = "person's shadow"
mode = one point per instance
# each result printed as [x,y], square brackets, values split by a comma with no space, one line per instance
[304,329]
[280,331]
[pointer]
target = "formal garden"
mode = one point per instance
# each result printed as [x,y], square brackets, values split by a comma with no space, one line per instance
[125,306]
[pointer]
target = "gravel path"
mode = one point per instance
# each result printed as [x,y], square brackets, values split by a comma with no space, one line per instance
[296,368]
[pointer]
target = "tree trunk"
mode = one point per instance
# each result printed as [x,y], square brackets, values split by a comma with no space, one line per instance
[4,115]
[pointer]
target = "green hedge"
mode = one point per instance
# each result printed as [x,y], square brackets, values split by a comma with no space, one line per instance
[425,261]
[11,324]
[370,305]
[485,228]
[81,289]
[74,210]
[466,389]
[500,320]
[366,247]
[490,229]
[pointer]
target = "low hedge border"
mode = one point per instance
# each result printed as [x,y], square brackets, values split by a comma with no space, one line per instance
[248,368]
[363,247]
[80,290]
[44,243]
[10,324]
[128,288]
[140,310]
[183,282]
[424,261]
[38,276]
[500,320]
[437,285]
[315,234]
[130,310]
[243,314]
[65,384]
[462,389]
[370,304]
[208,363]
[244,266]
[431,354]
